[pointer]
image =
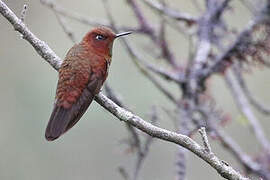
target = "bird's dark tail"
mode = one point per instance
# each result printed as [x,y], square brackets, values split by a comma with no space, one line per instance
[58,122]
[62,119]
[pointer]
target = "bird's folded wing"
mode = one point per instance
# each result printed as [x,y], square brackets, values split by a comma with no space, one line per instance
[62,119]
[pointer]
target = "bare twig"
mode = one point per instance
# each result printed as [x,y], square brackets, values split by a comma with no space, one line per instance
[250,165]
[148,29]
[252,100]
[244,106]
[60,20]
[23,13]
[239,154]
[164,45]
[205,140]
[145,25]
[65,28]
[149,76]
[176,77]
[241,41]
[85,20]
[171,12]
[40,46]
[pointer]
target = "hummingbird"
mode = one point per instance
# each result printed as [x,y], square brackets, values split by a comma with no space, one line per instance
[81,76]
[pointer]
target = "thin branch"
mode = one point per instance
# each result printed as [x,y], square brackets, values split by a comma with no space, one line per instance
[241,40]
[148,75]
[147,28]
[252,100]
[171,12]
[213,118]
[43,49]
[65,28]
[83,19]
[240,155]
[64,12]
[250,165]
[60,20]
[178,77]
[40,46]
[205,140]
[23,13]
[244,107]
[164,45]
[145,25]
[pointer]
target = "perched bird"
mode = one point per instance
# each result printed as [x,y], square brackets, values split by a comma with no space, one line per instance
[81,76]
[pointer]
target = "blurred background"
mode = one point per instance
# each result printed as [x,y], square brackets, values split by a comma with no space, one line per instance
[94,148]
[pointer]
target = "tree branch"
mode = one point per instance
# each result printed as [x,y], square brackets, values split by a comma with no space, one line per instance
[40,46]
[46,53]
[92,22]
[205,140]
[252,100]
[171,12]
[244,107]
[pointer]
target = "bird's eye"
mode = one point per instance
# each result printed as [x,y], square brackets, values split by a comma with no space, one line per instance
[100,37]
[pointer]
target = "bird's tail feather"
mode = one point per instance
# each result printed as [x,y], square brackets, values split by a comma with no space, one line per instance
[57,123]
[63,119]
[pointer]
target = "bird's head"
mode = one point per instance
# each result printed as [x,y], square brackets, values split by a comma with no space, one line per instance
[101,39]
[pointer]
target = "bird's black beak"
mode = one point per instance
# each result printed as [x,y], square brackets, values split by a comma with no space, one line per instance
[123,34]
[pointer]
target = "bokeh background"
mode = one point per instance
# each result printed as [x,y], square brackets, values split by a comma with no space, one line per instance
[93,149]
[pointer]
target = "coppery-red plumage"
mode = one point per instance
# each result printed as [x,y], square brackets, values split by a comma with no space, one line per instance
[81,76]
